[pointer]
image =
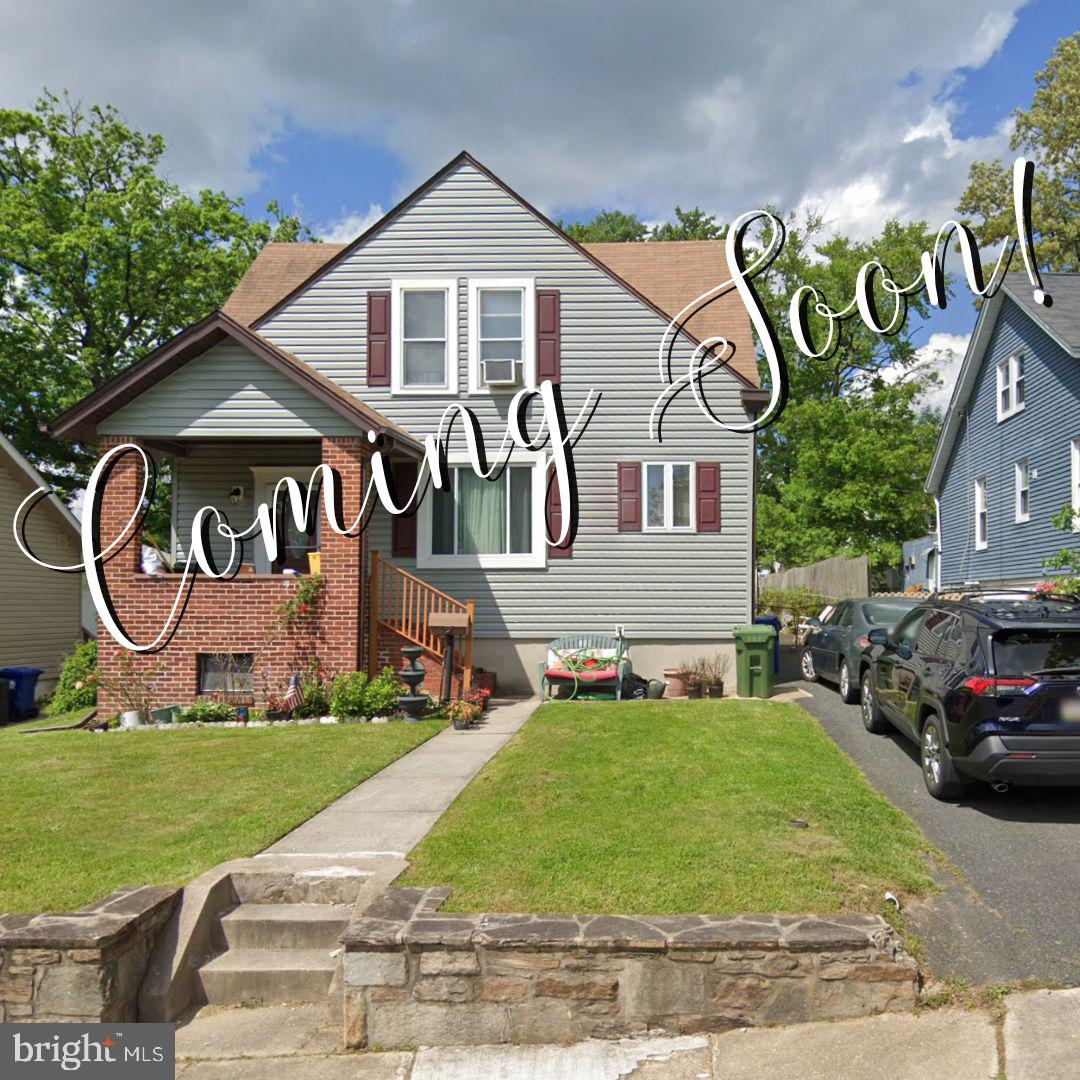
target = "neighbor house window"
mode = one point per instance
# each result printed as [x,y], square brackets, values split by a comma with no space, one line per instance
[981,515]
[668,492]
[1010,386]
[487,523]
[226,673]
[501,334]
[1023,490]
[424,351]
[1074,455]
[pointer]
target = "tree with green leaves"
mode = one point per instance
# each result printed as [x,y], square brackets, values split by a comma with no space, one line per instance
[607,227]
[1049,133]
[692,224]
[102,258]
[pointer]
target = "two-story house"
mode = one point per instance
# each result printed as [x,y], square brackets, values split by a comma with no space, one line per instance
[1008,457]
[463,292]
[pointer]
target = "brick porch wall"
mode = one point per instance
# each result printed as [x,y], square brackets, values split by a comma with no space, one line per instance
[238,615]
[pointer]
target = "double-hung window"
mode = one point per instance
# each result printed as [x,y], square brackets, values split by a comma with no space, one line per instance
[1010,386]
[1022,472]
[668,494]
[982,517]
[424,349]
[485,523]
[502,313]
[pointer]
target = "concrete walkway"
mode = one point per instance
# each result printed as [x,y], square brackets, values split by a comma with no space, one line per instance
[1038,1039]
[391,812]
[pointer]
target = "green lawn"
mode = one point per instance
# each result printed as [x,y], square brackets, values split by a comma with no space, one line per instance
[84,813]
[648,808]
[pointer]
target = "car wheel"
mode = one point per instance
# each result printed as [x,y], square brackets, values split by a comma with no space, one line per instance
[808,672]
[849,694]
[872,717]
[942,780]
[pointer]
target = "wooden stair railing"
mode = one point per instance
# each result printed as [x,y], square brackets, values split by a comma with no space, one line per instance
[404,603]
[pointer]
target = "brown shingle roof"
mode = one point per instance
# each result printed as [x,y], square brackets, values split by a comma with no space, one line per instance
[669,273]
[672,273]
[276,271]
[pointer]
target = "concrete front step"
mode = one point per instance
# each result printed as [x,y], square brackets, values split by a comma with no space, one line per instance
[268,976]
[285,926]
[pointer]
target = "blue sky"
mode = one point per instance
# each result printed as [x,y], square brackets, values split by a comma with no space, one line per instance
[337,108]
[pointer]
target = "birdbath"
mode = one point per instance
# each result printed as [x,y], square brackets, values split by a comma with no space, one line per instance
[414,704]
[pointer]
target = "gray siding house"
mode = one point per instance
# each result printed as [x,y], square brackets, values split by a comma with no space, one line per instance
[464,292]
[1008,457]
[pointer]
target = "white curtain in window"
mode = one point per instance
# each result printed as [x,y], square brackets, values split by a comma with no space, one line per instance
[481,515]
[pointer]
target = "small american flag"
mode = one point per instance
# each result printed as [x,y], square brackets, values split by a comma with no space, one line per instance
[294,696]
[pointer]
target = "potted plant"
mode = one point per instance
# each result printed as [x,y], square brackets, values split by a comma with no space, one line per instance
[462,713]
[131,682]
[479,695]
[675,677]
[714,670]
[694,680]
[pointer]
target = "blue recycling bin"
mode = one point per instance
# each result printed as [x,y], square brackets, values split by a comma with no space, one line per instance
[22,682]
[774,622]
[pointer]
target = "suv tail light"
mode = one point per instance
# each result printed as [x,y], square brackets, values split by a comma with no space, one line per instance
[984,685]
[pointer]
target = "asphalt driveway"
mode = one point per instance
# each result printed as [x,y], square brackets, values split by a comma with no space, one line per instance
[1013,911]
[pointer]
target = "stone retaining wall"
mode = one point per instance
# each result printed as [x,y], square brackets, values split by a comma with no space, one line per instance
[83,967]
[413,976]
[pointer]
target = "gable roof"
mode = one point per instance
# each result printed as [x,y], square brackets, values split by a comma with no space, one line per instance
[7,448]
[665,276]
[80,420]
[1061,322]
[674,273]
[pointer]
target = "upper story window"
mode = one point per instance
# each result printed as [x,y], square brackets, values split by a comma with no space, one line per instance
[668,492]
[424,348]
[1010,386]
[982,516]
[1074,464]
[501,335]
[1022,472]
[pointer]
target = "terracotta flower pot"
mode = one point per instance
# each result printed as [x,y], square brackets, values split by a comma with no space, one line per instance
[676,687]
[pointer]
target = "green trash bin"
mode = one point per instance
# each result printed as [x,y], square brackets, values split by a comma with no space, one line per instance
[754,661]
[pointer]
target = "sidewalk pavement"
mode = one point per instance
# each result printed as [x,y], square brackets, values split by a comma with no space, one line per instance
[390,813]
[1039,1039]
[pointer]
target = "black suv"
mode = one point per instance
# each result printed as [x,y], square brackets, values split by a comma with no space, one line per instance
[988,686]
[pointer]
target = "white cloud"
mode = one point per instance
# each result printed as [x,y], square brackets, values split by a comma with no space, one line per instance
[348,227]
[720,105]
[942,353]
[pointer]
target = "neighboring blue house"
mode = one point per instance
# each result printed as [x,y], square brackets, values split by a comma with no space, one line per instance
[1009,453]
[920,567]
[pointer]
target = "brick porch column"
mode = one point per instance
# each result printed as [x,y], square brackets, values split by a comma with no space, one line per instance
[343,562]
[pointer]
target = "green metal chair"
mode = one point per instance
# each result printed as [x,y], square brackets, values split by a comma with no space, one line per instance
[604,646]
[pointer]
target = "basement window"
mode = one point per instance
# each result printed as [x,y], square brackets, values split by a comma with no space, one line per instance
[226,673]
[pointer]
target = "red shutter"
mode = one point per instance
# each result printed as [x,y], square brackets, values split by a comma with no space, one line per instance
[548,335]
[629,473]
[708,496]
[403,526]
[378,338]
[555,517]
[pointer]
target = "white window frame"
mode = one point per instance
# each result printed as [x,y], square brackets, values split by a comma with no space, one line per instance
[398,288]
[528,560]
[265,479]
[528,330]
[1022,483]
[1074,469]
[1009,382]
[669,498]
[982,515]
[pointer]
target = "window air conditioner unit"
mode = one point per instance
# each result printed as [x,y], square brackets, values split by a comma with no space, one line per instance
[501,372]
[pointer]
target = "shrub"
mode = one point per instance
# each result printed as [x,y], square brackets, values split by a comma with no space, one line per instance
[380,697]
[347,701]
[316,688]
[77,687]
[208,711]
